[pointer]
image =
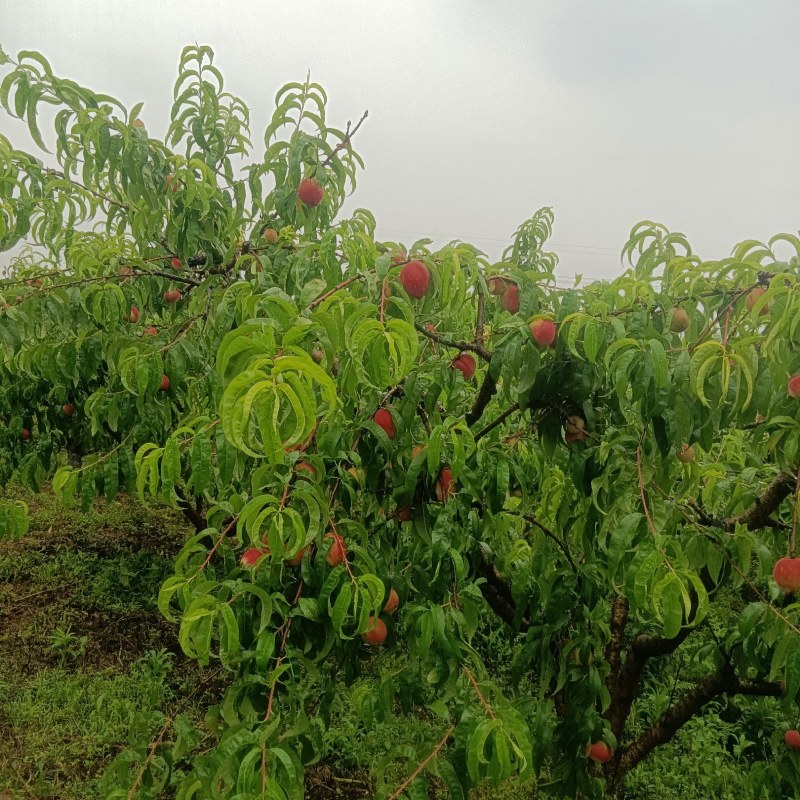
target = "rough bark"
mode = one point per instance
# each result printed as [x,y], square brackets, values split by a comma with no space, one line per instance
[724,681]
[483,398]
[497,594]
[759,514]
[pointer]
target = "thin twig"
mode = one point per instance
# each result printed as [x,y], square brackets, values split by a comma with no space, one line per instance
[793,537]
[477,688]
[346,141]
[166,727]
[479,328]
[415,774]
[641,491]
[478,349]
[499,420]
[323,297]
[550,535]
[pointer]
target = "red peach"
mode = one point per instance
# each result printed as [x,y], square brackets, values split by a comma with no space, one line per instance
[787,574]
[510,298]
[383,419]
[465,363]
[543,332]
[375,635]
[310,192]
[415,278]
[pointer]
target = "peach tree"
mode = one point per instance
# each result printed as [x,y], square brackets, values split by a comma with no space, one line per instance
[389,446]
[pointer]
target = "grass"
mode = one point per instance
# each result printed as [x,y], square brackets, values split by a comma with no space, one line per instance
[77,603]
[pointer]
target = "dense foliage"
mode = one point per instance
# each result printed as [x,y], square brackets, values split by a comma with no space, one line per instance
[353,425]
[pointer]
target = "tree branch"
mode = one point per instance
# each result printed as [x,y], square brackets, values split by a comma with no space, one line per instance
[550,535]
[724,681]
[613,651]
[349,134]
[497,594]
[192,513]
[497,421]
[758,515]
[478,349]
[482,399]
[479,326]
[323,297]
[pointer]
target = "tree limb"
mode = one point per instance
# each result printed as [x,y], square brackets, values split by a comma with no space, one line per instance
[758,515]
[724,681]
[483,398]
[497,594]
[472,347]
[613,651]
[192,513]
[497,421]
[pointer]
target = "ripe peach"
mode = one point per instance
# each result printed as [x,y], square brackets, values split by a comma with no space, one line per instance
[172,296]
[68,409]
[496,285]
[787,574]
[383,419]
[270,235]
[792,739]
[297,559]
[253,555]
[793,387]
[544,332]
[510,298]
[164,385]
[310,192]
[465,363]
[599,751]
[752,297]
[336,554]
[444,485]
[375,635]
[392,602]
[25,434]
[415,278]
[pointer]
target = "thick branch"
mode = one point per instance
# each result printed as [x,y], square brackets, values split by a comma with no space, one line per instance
[759,513]
[664,728]
[192,513]
[613,652]
[483,398]
[646,646]
[724,681]
[497,594]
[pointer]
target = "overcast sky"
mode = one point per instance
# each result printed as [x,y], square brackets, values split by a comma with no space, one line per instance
[682,111]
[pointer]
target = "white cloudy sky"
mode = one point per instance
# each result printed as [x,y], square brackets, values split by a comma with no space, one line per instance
[681,111]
